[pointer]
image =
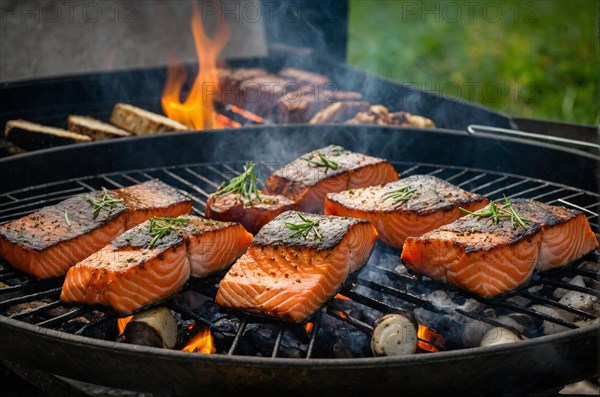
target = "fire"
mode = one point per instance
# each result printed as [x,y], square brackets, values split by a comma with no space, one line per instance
[202,342]
[122,323]
[197,111]
[429,339]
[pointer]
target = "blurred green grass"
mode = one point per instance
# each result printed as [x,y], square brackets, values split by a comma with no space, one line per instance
[536,59]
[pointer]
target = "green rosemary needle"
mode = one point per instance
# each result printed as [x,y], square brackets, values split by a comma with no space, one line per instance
[403,194]
[106,201]
[159,226]
[322,161]
[304,228]
[243,184]
[497,212]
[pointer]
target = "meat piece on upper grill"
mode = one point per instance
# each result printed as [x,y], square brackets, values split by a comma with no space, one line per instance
[137,269]
[140,121]
[380,115]
[490,256]
[253,214]
[339,112]
[307,179]
[305,78]
[31,136]
[289,275]
[95,129]
[48,242]
[302,106]
[408,207]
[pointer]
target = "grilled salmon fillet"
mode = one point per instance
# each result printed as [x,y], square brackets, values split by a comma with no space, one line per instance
[489,257]
[131,273]
[407,207]
[307,179]
[49,241]
[253,215]
[288,275]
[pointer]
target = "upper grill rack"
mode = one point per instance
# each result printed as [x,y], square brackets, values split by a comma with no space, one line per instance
[382,286]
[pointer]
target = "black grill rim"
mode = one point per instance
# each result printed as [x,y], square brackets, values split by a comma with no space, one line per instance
[77,341]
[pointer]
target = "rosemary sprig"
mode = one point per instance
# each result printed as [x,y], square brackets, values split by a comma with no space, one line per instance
[322,161]
[67,218]
[105,201]
[403,194]
[497,212]
[304,228]
[160,225]
[244,184]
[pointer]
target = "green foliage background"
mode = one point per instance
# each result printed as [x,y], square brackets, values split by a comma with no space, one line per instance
[535,59]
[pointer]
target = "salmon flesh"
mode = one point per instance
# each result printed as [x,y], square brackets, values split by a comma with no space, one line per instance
[405,208]
[289,276]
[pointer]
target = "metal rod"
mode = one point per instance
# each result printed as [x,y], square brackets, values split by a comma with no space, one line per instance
[476,128]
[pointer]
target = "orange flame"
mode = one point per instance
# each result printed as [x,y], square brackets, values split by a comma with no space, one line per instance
[122,323]
[197,111]
[202,342]
[429,339]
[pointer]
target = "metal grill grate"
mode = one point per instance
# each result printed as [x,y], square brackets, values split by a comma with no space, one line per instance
[382,286]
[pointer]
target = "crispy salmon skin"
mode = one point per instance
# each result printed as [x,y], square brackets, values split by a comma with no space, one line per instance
[138,269]
[407,207]
[49,241]
[489,257]
[252,214]
[289,275]
[307,179]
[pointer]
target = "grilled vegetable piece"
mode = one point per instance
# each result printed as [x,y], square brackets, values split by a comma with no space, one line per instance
[290,271]
[339,112]
[498,336]
[95,129]
[32,136]
[49,241]
[394,335]
[155,327]
[307,179]
[380,115]
[253,215]
[490,255]
[407,207]
[138,269]
[139,121]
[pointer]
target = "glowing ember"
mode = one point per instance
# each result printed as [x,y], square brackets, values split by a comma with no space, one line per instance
[202,342]
[342,297]
[122,323]
[429,339]
[248,115]
[197,111]
[308,327]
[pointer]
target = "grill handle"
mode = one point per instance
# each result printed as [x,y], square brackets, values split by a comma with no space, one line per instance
[476,128]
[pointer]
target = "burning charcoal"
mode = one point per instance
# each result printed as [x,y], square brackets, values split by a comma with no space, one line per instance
[336,338]
[224,331]
[201,342]
[498,336]
[154,327]
[84,325]
[394,335]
